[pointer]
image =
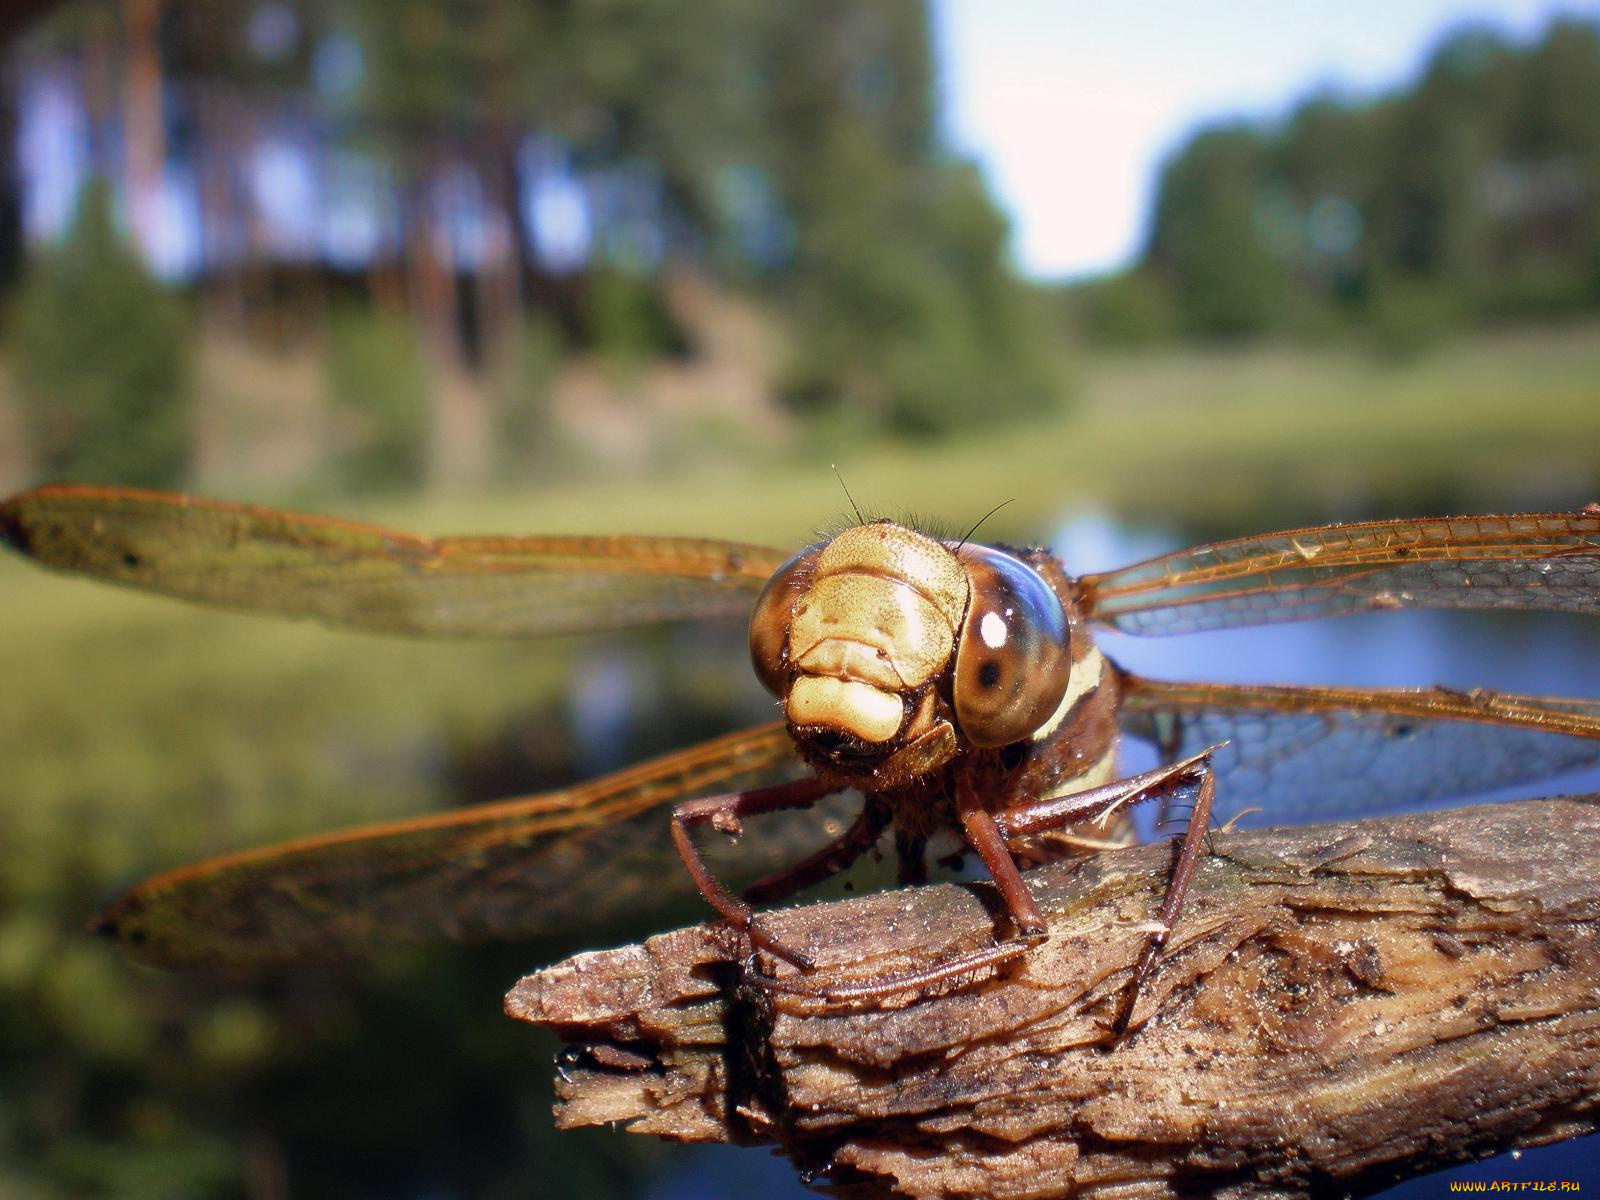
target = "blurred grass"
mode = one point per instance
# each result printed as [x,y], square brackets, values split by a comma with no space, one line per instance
[136,734]
[1255,437]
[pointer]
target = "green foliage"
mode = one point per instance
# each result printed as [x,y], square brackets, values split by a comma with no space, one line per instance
[1471,195]
[1214,238]
[378,390]
[522,409]
[906,310]
[905,314]
[1125,311]
[1406,316]
[99,351]
[788,150]
[627,320]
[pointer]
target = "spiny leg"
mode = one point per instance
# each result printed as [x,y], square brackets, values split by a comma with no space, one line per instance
[861,990]
[1177,888]
[978,827]
[985,839]
[725,814]
[983,834]
[1167,748]
[986,833]
[827,861]
[1054,845]
[1099,803]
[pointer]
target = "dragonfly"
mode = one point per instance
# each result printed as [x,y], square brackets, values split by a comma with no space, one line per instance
[956,688]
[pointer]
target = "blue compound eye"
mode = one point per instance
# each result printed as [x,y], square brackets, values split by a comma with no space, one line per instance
[1013,659]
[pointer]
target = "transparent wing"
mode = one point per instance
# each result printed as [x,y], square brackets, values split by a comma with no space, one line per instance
[1548,561]
[1303,753]
[561,859]
[351,574]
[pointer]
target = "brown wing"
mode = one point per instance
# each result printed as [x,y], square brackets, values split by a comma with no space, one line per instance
[1319,753]
[559,860]
[1548,561]
[363,576]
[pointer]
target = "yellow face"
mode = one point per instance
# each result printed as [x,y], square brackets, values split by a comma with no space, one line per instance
[888,649]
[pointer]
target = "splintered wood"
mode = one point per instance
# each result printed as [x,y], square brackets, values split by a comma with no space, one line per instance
[1339,1007]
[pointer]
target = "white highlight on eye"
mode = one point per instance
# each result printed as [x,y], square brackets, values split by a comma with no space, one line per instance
[992,629]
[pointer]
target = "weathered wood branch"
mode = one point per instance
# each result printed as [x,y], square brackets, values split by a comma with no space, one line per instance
[1339,1007]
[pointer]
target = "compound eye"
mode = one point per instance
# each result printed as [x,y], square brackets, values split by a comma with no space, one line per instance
[1013,658]
[769,624]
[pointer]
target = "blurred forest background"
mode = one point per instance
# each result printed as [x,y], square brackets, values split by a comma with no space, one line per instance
[360,246]
[620,265]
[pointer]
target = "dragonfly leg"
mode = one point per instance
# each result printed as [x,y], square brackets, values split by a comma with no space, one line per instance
[862,990]
[983,835]
[1163,783]
[1101,803]
[827,861]
[1177,887]
[725,814]
[987,833]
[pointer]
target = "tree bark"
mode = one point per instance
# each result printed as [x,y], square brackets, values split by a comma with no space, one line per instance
[1339,1007]
[144,129]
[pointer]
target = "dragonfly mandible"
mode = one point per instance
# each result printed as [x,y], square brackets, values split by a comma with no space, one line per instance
[958,687]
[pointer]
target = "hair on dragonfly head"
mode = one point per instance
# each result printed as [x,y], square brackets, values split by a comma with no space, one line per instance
[980,522]
[861,520]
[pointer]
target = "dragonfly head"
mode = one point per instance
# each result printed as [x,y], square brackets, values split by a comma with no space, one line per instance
[891,651]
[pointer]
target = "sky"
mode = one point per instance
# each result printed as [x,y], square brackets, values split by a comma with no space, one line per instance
[1069,106]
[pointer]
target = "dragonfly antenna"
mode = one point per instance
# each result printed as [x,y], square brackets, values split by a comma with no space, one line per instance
[981,520]
[847,494]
